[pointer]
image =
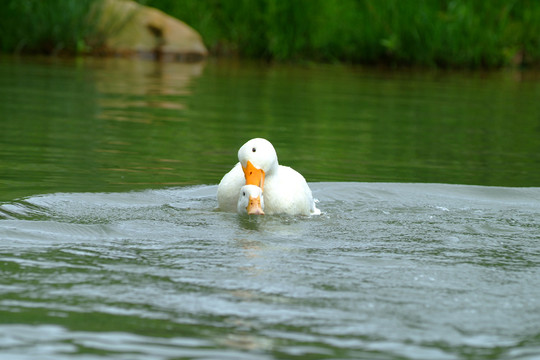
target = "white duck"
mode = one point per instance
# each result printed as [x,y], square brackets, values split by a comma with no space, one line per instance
[250,200]
[285,190]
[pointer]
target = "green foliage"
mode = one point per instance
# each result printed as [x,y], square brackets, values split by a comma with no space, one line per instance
[460,33]
[457,33]
[51,26]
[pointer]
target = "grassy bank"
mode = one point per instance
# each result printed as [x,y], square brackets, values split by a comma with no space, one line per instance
[447,33]
[460,33]
[51,26]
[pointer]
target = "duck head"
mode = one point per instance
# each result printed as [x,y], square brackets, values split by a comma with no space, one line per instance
[251,200]
[258,158]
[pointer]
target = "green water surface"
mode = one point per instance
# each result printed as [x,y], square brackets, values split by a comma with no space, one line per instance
[105,252]
[119,124]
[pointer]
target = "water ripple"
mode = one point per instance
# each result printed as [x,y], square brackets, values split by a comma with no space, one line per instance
[388,271]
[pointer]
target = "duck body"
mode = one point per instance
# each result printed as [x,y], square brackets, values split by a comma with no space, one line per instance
[285,190]
[229,189]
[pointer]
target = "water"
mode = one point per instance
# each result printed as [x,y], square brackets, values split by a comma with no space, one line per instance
[111,245]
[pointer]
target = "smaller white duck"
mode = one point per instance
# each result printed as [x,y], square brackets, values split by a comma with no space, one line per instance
[251,201]
[285,190]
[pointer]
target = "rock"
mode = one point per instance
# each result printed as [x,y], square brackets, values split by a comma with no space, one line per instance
[134,29]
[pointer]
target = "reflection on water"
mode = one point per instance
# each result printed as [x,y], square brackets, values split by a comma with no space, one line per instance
[139,88]
[93,124]
[117,124]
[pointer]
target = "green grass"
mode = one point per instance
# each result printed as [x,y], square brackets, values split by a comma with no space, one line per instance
[460,33]
[444,33]
[49,26]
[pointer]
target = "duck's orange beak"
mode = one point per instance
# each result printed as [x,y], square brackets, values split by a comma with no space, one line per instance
[254,207]
[253,175]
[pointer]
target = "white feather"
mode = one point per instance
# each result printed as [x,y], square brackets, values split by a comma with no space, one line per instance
[285,190]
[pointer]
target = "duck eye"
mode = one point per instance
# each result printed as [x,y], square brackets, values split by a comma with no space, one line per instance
[244,193]
[254,149]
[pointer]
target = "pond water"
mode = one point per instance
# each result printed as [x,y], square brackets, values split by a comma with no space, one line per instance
[111,245]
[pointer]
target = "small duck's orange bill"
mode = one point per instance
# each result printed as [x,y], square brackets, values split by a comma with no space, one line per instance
[254,207]
[253,175]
